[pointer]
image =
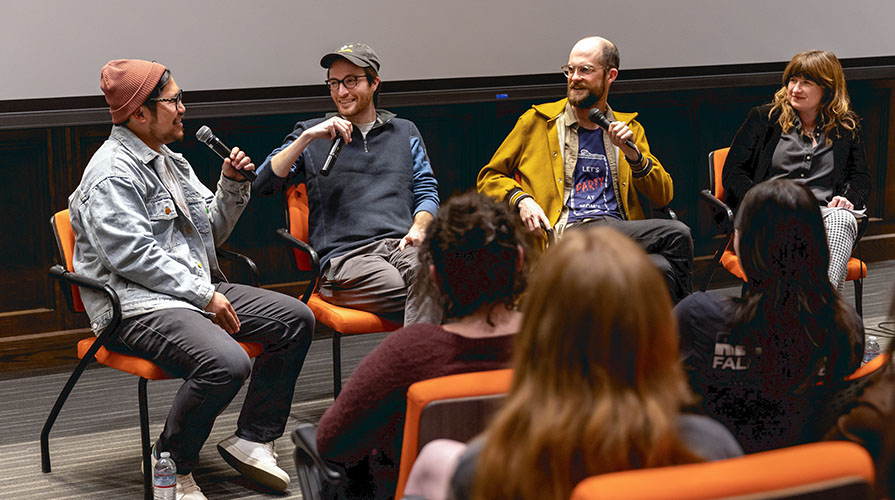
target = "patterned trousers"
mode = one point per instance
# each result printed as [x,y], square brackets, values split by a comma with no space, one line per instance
[842,231]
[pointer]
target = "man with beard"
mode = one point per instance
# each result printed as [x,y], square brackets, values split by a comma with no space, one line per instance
[145,225]
[367,219]
[561,171]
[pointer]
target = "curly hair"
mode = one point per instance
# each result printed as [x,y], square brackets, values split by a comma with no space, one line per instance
[824,69]
[473,244]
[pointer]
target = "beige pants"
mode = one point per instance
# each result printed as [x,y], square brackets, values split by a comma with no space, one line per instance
[381,279]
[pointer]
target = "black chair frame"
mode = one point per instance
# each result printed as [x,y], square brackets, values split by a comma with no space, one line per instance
[105,338]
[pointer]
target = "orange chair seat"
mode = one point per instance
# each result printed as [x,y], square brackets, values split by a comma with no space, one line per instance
[870,367]
[754,476]
[731,262]
[857,269]
[140,367]
[348,321]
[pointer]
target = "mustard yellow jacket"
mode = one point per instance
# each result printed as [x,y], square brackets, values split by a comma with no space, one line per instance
[530,160]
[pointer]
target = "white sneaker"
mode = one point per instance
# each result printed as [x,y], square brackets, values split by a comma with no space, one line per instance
[256,461]
[187,489]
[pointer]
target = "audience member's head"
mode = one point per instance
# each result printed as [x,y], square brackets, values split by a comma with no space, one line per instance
[790,310]
[474,252]
[780,238]
[597,376]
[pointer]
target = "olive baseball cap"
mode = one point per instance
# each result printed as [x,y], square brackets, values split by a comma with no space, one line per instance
[359,54]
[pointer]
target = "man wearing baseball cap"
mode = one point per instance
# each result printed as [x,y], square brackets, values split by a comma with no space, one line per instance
[369,215]
[147,227]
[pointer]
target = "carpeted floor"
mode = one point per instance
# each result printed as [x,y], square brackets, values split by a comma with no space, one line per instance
[95,444]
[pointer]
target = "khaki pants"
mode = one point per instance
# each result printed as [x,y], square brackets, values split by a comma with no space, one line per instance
[381,279]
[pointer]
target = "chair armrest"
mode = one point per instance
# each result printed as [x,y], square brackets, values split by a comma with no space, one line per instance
[665,212]
[244,260]
[548,233]
[863,224]
[63,274]
[67,276]
[315,260]
[722,215]
[305,439]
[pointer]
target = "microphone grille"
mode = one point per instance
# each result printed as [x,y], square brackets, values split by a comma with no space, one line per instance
[598,117]
[204,133]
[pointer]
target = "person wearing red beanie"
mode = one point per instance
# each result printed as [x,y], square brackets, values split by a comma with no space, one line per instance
[145,225]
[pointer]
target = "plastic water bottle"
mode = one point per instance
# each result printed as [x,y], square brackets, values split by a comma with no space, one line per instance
[164,478]
[871,348]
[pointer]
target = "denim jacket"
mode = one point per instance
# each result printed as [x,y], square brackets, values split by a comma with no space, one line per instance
[130,233]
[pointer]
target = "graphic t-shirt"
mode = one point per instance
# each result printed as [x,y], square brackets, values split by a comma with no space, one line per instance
[592,193]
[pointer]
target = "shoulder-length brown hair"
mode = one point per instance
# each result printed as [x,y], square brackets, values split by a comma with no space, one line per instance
[597,378]
[823,68]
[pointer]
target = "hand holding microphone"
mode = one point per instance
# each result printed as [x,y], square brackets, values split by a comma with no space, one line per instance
[204,134]
[597,116]
[334,151]
[337,128]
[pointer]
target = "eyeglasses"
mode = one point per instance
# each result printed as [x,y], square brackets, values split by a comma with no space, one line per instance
[349,82]
[177,99]
[585,70]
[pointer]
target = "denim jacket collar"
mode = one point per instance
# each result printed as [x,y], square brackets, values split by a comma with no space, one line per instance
[135,145]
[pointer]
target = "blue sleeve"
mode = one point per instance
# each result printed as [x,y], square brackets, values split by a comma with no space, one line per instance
[425,187]
[268,183]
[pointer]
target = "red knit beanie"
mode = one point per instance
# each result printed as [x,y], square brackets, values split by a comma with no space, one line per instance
[127,84]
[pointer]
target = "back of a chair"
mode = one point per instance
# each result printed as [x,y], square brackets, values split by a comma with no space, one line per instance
[828,470]
[716,168]
[65,249]
[844,396]
[296,196]
[454,407]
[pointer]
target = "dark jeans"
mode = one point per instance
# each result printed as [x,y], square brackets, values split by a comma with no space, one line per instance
[668,243]
[187,344]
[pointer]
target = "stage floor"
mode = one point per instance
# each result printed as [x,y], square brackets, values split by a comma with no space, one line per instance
[95,445]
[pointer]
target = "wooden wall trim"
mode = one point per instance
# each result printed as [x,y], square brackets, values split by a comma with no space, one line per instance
[303,99]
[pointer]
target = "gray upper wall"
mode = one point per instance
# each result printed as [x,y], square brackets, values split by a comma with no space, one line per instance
[55,48]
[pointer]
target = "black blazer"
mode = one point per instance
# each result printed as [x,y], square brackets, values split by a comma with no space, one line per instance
[749,159]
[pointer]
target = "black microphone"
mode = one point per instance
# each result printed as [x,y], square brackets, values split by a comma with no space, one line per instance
[205,135]
[597,116]
[334,151]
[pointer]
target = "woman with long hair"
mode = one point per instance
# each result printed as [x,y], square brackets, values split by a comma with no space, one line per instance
[764,362]
[808,133]
[597,381]
[474,254]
